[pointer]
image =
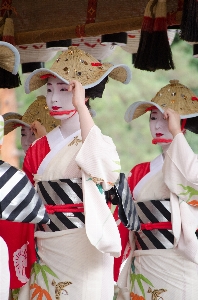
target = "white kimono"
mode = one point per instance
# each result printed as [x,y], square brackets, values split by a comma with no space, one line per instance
[77,263]
[158,273]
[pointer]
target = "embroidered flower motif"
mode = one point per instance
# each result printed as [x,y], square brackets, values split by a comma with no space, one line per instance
[139,278]
[189,191]
[98,182]
[20,263]
[75,141]
[60,288]
[156,293]
[38,291]
[136,297]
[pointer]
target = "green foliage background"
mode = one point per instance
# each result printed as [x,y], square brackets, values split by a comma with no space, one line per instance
[133,140]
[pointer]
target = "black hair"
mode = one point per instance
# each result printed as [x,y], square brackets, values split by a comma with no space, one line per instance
[97,90]
[192,124]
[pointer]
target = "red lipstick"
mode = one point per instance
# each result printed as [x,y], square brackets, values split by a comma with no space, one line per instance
[55,107]
[159,134]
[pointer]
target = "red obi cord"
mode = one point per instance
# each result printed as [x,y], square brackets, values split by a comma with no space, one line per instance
[160,225]
[74,207]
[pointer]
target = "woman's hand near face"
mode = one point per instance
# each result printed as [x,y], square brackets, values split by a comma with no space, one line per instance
[78,100]
[38,129]
[78,92]
[173,118]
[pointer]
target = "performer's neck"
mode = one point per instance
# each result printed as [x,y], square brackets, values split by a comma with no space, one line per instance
[70,125]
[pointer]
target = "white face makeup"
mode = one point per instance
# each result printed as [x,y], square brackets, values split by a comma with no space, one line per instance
[27,138]
[159,126]
[58,98]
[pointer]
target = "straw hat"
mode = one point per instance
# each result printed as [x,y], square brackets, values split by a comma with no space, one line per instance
[9,58]
[174,95]
[38,110]
[79,65]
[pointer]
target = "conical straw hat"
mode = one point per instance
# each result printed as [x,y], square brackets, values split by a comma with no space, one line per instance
[174,95]
[38,110]
[9,57]
[79,65]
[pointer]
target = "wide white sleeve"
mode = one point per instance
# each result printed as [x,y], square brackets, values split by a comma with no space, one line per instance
[181,176]
[99,159]
[181,169]
[100,167]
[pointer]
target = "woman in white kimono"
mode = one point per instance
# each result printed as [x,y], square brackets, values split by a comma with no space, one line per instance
[72,166]
[156,268]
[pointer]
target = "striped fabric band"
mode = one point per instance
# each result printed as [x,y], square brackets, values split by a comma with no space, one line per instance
[18,199]
[154,211]
[127,209]
[58,193]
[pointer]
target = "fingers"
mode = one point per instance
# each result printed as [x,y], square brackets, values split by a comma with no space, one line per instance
[168,112]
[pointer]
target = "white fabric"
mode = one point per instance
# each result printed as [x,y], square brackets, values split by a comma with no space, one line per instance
[181,167]
[96,159]
[4,271]
[83,265]
[83,256]
[167,273]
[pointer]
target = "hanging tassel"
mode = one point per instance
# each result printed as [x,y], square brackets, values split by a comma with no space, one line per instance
[189,21]
[8,80]
[146,36]
[8,31]
[160,55]
[2,21]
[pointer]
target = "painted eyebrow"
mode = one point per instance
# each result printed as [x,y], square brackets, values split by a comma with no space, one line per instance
[153,112]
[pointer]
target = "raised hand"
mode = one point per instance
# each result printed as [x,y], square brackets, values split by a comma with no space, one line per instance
[174,122]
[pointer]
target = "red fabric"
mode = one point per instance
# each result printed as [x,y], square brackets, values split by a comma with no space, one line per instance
[74,207]
[16,235]
[124,235]
[35,156]
[158,140]
[160,225]
[138,172]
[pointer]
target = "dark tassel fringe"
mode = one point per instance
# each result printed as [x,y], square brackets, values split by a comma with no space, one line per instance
[161,56]
[8,80]
[143,52]
[144,44]
[189,22]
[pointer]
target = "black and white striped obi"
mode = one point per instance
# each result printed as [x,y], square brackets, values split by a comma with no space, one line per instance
[156,213]
[62,193]
[19,201]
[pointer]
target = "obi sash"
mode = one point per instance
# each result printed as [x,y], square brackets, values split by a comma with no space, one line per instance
[157,212]
[62,193]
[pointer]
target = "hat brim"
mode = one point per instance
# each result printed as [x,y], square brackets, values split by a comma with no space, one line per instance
[34,81]
[138,108]
[11,124]
[10,57]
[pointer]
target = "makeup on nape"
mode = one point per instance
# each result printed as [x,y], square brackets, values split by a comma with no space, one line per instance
[27,137]
[159,129]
